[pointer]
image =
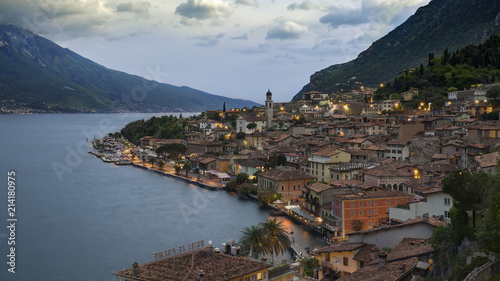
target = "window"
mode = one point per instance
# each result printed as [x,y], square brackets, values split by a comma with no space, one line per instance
[327,257]
[361,213]
[375,223]
[369,212]
[338,177]
[352,213]
[298,186]
[446,214]
[282,188]
[352,203]
[369,223]
[396,201]
[388,201]
[375,212]
[361,203]
[369,203]
[346,261]
[375,202]
[447,201]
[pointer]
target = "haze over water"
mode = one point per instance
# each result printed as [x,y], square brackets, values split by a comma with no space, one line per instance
[94,218]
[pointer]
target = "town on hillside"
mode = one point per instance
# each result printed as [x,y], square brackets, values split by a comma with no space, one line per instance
[367,176]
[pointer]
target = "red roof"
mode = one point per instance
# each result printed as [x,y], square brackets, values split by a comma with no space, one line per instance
[186,266]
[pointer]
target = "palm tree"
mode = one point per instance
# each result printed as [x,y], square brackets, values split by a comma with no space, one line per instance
[277,239]
[187,166]
[161,164]
[253,240]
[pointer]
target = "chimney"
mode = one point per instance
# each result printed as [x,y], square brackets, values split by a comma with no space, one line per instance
[426,216]
[201,276]
[402,268]
[136,271]
[382,259]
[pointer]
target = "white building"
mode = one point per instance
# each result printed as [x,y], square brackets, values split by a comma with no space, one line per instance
[397,149]
[437,204]
[243,121]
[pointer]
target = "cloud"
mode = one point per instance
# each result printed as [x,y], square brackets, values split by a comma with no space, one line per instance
[375,12]
[306,5]
[338,18]
[241,37]
[285,30]
[194,11]
[140,8]
[251,3]
[208,40]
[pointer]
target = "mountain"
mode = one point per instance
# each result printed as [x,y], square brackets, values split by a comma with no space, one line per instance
[440,25]
[37,73]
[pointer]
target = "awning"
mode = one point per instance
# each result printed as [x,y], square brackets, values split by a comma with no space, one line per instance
[303,214]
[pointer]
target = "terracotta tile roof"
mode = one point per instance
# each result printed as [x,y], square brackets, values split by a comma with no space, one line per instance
[437,167]
[327,152]
[487,160]
[375,194]
[387,173]
[366,254]
[374,272]
[319,187]
[292,174]
[375,148]
[343,246]
[186,266]
[410,247]
[345,183]
[360,152]
[254,118]
[250,162]
[358,140]
[207,160]
[430,221]
[397,142]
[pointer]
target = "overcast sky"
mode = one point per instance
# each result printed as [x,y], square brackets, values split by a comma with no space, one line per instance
[234,48]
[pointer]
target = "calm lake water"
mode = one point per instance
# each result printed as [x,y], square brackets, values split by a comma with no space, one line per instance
[82,219]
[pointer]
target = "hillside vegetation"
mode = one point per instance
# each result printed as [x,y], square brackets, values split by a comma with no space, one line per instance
[442,24]
[454,70]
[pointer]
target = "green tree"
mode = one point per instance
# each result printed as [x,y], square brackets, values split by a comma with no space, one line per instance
[152,160]
[277,239]
[253,240]
[488,233]
[241,178]
[466,190]
[357,225]
[187,167]
[252,126]
[161,164]
[493,95]
[309,265]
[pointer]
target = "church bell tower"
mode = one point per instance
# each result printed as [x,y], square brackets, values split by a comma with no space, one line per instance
[269,109]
